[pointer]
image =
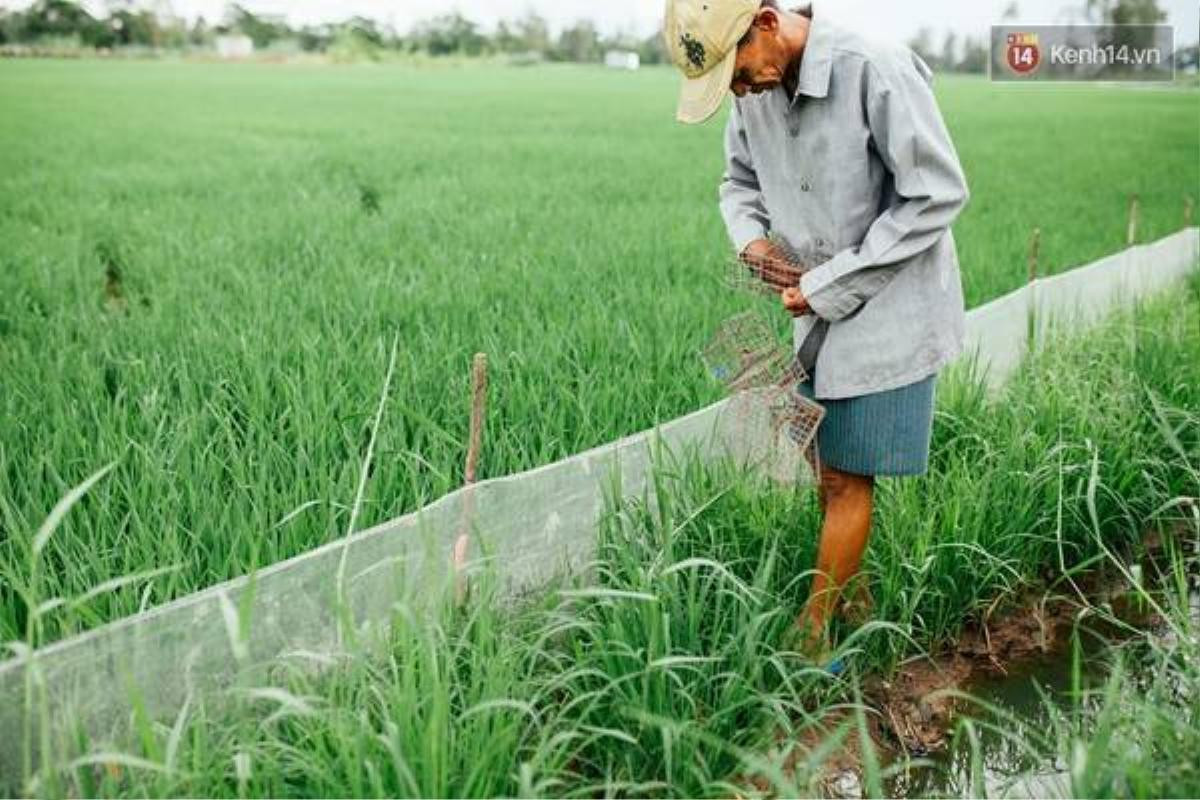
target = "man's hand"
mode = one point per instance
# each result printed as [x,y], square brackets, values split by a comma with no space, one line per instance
[770,262]
[795,302]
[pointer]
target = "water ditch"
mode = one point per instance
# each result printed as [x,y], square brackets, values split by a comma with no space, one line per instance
[1030,665]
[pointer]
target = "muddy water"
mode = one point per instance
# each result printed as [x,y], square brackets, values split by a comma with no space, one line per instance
[1032,690]
[1004,768]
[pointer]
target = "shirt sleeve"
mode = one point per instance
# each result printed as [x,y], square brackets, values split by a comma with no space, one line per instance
[741,197]
[914,145]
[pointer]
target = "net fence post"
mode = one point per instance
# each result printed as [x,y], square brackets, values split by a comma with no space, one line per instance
[1131,229]
[463,541]
[1035,246]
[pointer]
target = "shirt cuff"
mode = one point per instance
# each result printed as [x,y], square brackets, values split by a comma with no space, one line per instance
[820,288]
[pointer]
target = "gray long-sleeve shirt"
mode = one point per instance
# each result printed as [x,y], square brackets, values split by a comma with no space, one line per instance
[856,173]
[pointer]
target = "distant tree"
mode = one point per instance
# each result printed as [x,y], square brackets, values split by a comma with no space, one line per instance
[1124,12]
[199,35]
[314,38]
[579,42]
[922,45]
[1188,58]
[55,18]
[533,33]
[505,40]
[949,57]
[651,49]
[261,30]
[367,29]
[974,56]
[450,34]
[133,27]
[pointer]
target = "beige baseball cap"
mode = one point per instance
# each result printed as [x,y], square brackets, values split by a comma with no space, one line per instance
[702,38]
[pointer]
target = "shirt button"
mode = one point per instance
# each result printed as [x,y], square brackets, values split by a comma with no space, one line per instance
[820,242]
[805,186]
[793,131]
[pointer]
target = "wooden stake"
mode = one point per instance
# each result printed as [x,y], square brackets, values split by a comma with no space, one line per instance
[463,542]
[1188,208]
[478,399]
[1035,244]
[1131,231]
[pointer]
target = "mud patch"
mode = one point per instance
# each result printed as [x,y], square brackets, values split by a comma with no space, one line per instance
[916,714]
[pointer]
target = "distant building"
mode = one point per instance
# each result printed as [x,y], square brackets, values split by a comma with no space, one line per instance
[622,59]
[234,45]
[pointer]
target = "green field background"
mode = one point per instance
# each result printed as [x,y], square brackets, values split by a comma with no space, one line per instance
[264,231]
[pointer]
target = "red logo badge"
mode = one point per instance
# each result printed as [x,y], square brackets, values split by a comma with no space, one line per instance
[1023,55]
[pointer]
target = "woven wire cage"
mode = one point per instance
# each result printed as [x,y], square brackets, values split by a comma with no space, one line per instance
[767,276]
[775,429]
[745,353]
[746,279]
[771,423]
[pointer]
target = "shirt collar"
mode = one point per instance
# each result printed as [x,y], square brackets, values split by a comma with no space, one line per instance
[816,60]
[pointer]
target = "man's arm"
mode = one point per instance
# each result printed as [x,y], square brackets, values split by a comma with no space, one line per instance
[745,214]
[915,146]
[741,197]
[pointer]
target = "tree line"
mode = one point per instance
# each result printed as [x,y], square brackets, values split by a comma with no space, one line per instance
[154,25]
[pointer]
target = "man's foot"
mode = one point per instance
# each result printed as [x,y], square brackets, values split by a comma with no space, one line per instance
[813,647]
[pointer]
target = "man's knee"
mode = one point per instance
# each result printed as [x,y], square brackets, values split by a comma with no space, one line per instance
[836,485]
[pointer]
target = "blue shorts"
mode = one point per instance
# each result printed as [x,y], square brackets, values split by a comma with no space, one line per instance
[886,433]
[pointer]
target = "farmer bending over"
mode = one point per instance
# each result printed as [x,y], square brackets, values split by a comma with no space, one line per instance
[836,150]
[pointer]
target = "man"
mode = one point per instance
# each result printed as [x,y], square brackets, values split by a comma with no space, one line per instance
[840,187]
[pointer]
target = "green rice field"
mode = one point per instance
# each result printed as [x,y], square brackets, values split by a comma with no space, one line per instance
[662,675]
[202,268]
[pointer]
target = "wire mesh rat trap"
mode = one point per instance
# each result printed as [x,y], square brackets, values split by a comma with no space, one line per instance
[745,353]
[762,277]
[770,424]
[753,277]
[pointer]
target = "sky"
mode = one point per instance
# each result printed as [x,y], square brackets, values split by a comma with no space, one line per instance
[887,19]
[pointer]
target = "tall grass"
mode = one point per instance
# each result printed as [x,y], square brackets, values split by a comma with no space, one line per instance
[659,672]
[203,267]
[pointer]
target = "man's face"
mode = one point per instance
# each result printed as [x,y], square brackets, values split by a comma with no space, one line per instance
[761,60]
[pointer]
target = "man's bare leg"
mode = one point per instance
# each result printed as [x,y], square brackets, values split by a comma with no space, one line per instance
[847,501]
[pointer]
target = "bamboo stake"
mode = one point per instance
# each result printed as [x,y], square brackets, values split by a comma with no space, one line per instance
[462,543]
[1132,230]
[478,399]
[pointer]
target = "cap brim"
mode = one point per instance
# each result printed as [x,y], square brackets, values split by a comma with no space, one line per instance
[699,98]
